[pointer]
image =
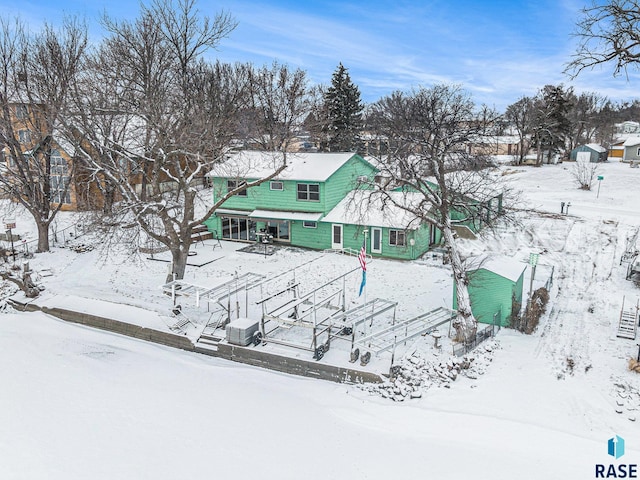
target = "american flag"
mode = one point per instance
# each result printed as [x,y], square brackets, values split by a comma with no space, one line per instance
[362,258]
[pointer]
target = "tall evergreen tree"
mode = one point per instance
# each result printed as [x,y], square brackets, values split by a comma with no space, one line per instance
[343,110]
[551,121]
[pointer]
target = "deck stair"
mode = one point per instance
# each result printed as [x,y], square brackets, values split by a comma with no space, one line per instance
[200,233]
[214,332]
[628,324]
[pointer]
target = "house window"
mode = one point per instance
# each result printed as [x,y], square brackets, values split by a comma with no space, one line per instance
[309,224]
[233,184]
[24,136]
[397,238]
[638,152]
[276,186]
[363,179]
[22,111]
[238,228]
[59,180]
[279,229]
[309,192]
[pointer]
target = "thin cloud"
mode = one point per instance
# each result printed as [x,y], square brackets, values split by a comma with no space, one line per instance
[498,51]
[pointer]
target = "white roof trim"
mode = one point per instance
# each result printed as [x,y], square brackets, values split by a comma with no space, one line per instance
[283,215]
[226,211]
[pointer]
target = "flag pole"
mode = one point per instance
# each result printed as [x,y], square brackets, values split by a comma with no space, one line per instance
[365,285]
[365,253]
[362,259]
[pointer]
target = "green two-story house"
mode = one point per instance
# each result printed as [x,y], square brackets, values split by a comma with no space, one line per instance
[289,207]
[315,203]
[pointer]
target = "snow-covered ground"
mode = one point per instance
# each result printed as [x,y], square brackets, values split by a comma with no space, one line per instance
[79,403]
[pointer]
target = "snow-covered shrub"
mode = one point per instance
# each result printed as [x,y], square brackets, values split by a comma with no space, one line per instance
[584,173]
[534,311]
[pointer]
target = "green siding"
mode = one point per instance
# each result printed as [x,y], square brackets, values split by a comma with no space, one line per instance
[346,179]
[262,197]
[352,236]
[318,238]
[594,155]
[331,192]
[492,294]
[213,224]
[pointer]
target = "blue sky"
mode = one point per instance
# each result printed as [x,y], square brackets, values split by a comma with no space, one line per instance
[497,50]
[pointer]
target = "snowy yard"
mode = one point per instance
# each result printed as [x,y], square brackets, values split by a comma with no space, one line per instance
[80,403]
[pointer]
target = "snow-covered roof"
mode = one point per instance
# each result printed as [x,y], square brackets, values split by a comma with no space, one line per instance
[364,207]
[311,166]
[596,148]
[632,141]
[504,266]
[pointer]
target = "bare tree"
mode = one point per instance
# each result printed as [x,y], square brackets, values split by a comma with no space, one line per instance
[584,118]
[37,74]
[130,125]
[607,32]
[428,130]
[153,118]
[520,116]
[279,100]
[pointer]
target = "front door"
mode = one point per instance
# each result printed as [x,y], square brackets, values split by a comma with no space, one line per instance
[376,240]
[336,237]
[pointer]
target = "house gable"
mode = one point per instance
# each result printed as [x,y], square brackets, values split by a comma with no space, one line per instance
[307,185]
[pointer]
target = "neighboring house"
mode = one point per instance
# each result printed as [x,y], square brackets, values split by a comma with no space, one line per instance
[289,207]
[591,152]
[627,127]
[631,150]
[66,189]
[495,289]
[84,192]
[495,145]
[616,149]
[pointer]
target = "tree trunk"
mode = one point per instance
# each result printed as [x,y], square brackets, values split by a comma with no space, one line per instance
[465,323]
[43,236]
[179,257]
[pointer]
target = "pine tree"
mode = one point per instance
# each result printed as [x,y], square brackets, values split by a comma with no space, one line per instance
[343,110]
[551,122]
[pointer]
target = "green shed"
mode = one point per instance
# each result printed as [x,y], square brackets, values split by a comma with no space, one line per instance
[590,152]
[495,289]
